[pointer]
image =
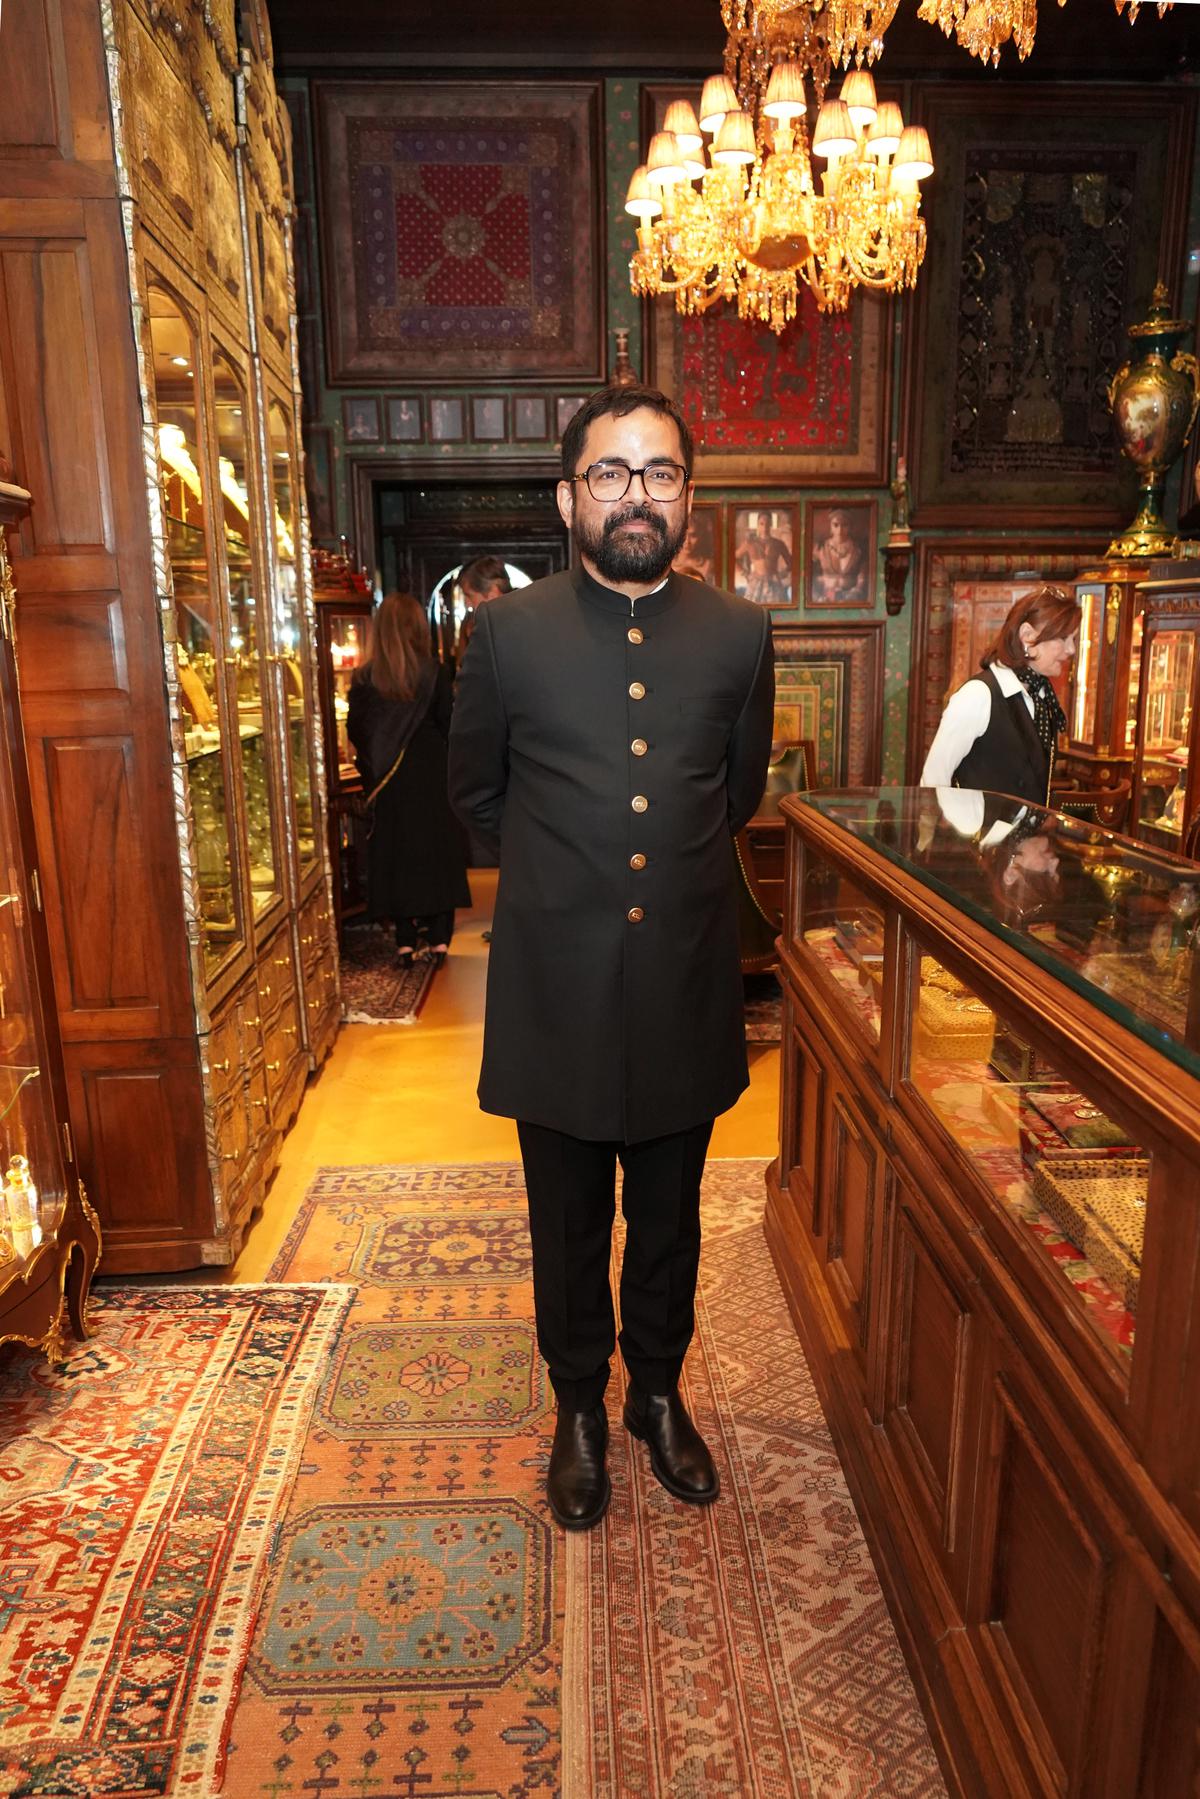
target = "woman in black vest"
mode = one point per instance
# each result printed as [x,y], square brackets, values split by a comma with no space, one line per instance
[999,729]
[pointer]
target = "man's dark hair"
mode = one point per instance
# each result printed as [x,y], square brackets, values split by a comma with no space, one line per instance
[618,402]
[481,574]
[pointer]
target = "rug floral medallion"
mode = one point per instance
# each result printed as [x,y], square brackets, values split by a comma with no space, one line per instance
[427,1631]
[141,1481]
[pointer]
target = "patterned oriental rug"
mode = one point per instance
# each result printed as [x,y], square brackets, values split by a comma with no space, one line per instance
[427,1631]
[141,1481]
[764,1008]
[375,989]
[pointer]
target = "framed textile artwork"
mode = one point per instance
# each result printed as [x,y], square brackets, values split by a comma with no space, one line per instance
[764,554]
[963,593]
[447,421]
[565,408]
[360,419]
[829,688]
[701,554]
[840,553]
[1049,224]
[461,225]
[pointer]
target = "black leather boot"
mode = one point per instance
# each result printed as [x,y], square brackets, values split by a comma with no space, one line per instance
[678,1453]
[577,1483]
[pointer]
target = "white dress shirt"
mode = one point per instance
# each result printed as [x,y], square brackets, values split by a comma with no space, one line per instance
[967,716]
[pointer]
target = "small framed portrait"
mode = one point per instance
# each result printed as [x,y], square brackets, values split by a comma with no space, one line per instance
[700,552]
[489,423]
[318,482]
[447,421]
[404,420]
[565,408]
[764,554]
[530,419]
[841,553]
[360,420]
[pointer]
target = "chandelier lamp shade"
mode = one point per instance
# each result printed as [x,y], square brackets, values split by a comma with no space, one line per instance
[983,27]
[761,209]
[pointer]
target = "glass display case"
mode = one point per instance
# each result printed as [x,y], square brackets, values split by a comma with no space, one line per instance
[1101,700]
[1166,790]
[289,622]
[246,653]
[45,1223]
[986,1216]
[199,651]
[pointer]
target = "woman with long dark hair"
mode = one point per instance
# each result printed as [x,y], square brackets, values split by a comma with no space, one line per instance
[999,728]
[399,724]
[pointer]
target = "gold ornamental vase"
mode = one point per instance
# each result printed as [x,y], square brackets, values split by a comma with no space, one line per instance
[1153,403]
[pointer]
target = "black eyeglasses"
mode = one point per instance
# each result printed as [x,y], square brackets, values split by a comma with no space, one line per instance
[611,480]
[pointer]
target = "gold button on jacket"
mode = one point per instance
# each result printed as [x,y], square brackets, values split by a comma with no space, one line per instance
[639,802]
[638,861]
[639,746]
[635,635]
[636,691]
[635,915]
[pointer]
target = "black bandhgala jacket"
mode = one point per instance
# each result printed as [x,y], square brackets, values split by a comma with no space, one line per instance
[599,1023]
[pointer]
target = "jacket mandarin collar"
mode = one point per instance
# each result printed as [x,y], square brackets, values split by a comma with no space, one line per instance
[607,599]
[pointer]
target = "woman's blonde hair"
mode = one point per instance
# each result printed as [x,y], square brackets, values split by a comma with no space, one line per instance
[400,646]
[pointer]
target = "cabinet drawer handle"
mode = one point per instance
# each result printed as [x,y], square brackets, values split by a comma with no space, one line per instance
[287,1030]
[273,1068]
[258,1103]
[252,1024]
[219,1067]
[280,961]
[307,942]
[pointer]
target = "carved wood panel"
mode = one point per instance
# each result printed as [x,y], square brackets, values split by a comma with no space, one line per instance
[852,1195]
[56,412]
[1041,1589]
[931,1400]
[141,1133]
[77,644]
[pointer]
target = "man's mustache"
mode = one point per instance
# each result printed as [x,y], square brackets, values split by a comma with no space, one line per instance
[647,513]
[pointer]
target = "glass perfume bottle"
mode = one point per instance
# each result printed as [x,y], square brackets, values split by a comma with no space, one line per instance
[21,1207]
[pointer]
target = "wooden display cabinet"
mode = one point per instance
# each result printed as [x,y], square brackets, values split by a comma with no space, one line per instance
[49,1236]
[1166,772]
[344,607]
[1101,700]
[986,1216]
[166,621]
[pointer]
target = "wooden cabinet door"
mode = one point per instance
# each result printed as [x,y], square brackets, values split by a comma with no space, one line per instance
[853,1188]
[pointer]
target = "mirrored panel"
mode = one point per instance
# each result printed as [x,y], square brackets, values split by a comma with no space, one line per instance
[290,628]
[844,929]
[183,492]
[1074,1179]
[246,648]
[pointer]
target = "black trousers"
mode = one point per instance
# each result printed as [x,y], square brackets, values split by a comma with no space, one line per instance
[571,1185]
[435,927]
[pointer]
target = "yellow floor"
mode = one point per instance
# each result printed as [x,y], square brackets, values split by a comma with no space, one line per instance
[406,1093]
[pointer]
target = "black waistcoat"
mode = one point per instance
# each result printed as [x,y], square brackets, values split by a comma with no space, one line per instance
[1010,757]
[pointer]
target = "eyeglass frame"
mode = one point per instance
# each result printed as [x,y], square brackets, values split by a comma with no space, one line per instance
[612,499]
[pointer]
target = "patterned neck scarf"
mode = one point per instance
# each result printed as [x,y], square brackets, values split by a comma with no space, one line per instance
[1048,716]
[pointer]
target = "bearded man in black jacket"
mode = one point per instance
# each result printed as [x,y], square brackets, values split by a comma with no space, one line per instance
[611,732]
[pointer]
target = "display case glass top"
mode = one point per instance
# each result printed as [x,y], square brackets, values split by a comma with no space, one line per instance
[198,647]
[1117,921]
[289,615]
[245,655]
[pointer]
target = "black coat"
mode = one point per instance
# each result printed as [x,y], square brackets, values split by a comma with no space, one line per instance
[599,1025]
[417,855]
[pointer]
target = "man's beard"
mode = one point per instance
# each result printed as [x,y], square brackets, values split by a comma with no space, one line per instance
[631,556]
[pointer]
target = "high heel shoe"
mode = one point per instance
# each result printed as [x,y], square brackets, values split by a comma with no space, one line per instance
[438,954]
[404,958]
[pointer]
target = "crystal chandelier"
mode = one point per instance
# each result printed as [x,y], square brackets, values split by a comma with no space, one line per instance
[752,223]
[983,26]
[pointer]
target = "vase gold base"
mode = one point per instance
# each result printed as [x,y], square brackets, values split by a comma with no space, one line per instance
[1146,541]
